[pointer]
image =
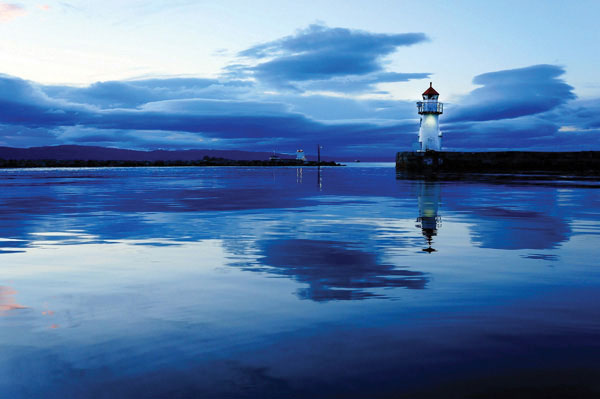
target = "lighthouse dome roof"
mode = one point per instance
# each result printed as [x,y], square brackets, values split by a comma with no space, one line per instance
[430,92]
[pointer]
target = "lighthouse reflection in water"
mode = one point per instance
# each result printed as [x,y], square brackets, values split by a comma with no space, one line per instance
[429,221]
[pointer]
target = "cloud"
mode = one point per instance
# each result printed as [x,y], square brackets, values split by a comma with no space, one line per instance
[556,131]
[146,139]
[513,93]
[530,108]
[263,125]
[23,136]
[318,38]
[357,84]
[338,109]
[10,11]
[237,114]
[519,133]
[580,115]
[207,107]
[134,93]
[319,53]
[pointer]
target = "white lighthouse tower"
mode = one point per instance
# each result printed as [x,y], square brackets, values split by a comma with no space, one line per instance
[430,137]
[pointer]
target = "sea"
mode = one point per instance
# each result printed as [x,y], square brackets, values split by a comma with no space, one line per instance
[297,282]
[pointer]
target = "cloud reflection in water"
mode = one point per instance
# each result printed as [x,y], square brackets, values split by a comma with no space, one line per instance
[335,270]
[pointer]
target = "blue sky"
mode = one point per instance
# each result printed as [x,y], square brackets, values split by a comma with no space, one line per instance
[277,75]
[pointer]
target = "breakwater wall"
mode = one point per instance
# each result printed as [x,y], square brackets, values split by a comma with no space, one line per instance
[584,162]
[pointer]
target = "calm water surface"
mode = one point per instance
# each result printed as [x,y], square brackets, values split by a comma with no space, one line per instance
[283,283]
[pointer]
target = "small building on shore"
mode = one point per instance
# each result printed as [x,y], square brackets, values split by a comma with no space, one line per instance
[300,156]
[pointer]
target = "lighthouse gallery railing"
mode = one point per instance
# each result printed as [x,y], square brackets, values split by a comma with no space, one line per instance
[430,107]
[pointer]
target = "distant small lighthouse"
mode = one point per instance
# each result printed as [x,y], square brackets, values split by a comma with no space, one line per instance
[430,137]
[300,155]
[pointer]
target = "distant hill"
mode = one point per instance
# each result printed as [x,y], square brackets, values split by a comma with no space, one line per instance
[92,153]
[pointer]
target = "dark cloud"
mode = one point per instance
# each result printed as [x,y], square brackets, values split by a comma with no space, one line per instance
[513,93]
[321,38]
[319,53]
[24,103]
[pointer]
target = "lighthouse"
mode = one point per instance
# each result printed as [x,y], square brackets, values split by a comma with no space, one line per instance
[430,137]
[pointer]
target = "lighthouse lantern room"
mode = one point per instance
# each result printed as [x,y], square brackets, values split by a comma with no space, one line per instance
[430,137]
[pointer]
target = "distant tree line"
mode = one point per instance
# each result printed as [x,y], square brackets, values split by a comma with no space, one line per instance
[206,161]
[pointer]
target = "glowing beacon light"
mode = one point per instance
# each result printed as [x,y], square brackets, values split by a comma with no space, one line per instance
[430,137]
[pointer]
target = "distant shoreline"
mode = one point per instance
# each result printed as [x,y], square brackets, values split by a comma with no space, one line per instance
[207,161]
